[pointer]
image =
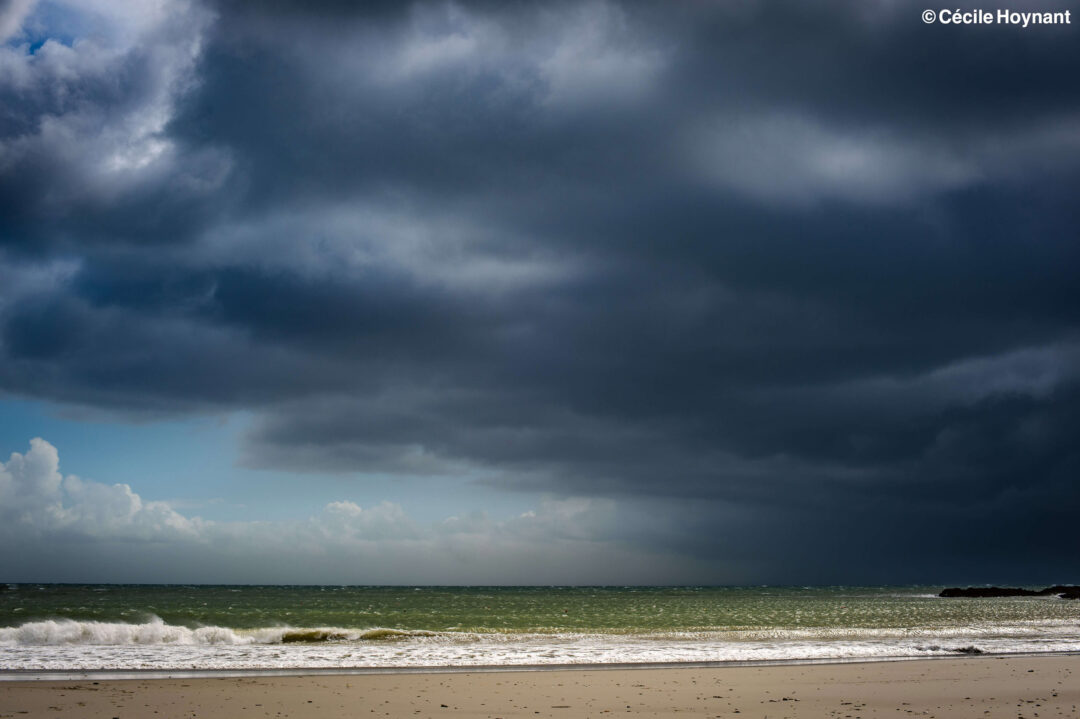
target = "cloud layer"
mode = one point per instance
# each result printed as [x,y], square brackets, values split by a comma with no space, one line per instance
[764,261]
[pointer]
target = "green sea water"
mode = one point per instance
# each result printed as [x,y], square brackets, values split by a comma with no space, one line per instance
[627,610]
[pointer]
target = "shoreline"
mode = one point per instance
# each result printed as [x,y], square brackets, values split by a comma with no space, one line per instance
[967,687]
[35,675]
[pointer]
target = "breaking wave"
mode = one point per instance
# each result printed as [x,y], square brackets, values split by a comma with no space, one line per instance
[68,645]
[51,632]
[155,631]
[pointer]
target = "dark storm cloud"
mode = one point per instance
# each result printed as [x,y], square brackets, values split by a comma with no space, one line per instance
[81,122]
[811,267]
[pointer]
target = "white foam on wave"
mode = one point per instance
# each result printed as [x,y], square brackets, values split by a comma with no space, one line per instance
[155,631]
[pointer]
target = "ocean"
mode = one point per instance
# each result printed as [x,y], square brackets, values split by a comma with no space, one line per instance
[59,627]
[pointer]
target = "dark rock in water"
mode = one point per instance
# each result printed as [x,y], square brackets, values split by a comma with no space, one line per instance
[1065,592]
[968,650]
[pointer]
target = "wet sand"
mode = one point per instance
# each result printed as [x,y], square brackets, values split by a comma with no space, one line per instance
[1046,686]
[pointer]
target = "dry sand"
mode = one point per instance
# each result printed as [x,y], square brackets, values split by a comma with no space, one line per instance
[982,687]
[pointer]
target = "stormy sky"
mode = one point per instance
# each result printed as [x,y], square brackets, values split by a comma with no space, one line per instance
[558,292]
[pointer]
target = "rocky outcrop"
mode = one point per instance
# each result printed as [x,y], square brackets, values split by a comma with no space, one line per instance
[1065,592]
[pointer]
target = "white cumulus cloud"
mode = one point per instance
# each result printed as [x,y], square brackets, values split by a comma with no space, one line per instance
[36,498]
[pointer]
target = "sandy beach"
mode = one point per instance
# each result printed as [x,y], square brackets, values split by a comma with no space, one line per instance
[1046,686]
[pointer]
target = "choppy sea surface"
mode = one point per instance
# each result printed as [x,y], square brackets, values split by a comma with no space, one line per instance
[54,627]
